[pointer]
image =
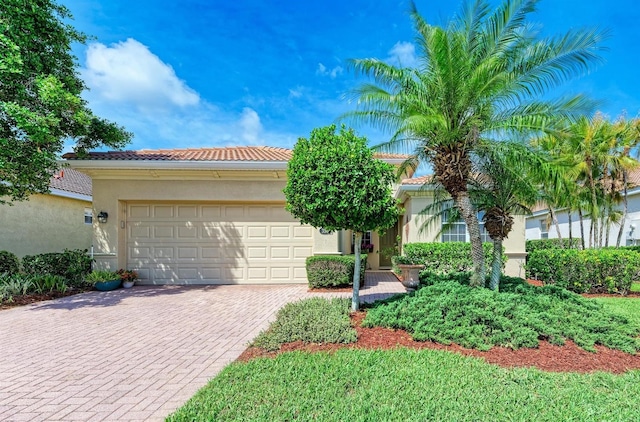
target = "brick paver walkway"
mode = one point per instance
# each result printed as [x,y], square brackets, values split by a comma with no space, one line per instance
[135,354]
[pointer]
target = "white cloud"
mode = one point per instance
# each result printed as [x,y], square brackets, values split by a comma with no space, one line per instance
[128,72]
[403,54]
[333,73]
[250,125]
[295,92]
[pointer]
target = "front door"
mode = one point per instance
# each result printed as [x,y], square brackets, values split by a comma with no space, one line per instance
[388,244]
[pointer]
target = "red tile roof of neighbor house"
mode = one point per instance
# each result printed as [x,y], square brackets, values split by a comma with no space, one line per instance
[70,180]
[418,180]
[247,153]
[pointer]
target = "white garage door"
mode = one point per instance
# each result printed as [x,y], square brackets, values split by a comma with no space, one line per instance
[205,243]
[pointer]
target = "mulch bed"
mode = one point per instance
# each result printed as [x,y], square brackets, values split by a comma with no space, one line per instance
[38,297]
[567,358]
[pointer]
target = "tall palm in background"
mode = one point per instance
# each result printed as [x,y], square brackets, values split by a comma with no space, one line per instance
[481,77]
[596,153]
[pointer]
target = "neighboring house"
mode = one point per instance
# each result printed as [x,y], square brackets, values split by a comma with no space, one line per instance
[50,222]
[540,226]
[217,216]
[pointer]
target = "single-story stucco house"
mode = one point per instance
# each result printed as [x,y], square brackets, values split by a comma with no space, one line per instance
[61,219]
[217,216]
[540,226]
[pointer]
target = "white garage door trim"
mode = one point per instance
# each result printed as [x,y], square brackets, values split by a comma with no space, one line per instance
[216,243]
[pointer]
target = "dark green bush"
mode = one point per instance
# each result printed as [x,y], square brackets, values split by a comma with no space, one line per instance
[589,270]
[333,270]
[537,244]
[73,265]
[315,320]
[443,258]
[519,316]
[635,248]
[9,263]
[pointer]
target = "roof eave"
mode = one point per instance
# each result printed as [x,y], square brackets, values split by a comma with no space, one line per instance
[192,165]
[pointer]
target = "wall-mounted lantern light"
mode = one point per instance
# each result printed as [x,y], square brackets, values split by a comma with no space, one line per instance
[103,216]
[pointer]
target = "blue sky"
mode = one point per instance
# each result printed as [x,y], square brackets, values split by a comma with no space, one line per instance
[201,73]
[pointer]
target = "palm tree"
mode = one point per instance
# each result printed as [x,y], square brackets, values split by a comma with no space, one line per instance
[630,138]
[505,184]
[481,77]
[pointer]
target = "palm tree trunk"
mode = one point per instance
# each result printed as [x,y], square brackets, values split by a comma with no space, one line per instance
[625,209]
[581,226]
[470,217]
[355,300]
[554,218]
[591,234]
[570,228]
[496,265]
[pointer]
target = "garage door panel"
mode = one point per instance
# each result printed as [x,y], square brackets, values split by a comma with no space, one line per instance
[216,243]
[280,252]
[302,232]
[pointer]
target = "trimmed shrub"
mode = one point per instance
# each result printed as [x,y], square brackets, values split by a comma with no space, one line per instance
[635,248]
[73,265]
[9,263]
[585,271]
[315,320]
[537,244]
[334,270]
[443,258]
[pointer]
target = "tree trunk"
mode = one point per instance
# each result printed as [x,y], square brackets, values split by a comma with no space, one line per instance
[625,209]
[570,229]
[608,233]
[554,218]
[581,227]
[591,234]
[496,265]
[470,217]
[355,300]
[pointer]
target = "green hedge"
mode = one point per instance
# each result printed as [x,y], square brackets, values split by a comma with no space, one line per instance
[537,244]
[589,270]
[443,258]
[9,263]
[73,265]
[334,270]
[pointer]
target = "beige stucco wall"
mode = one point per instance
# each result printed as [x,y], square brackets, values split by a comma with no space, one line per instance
[44,223]
[412,221]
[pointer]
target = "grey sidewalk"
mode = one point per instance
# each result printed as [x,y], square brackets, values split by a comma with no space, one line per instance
[135,354]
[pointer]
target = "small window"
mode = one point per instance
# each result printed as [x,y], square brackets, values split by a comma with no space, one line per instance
[544,230]
[457,231]
[88,216]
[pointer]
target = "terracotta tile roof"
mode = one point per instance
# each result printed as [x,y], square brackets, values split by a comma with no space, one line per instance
[418,180]
[246,153]
[193,154]
[634,177]
[70,180]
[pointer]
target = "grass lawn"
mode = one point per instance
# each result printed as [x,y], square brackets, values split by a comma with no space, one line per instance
[402,384]
[626,306]
[418,385]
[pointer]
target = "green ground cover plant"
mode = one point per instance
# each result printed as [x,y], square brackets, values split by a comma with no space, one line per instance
[12,285]
[518,316]
[314,320]
[406,385]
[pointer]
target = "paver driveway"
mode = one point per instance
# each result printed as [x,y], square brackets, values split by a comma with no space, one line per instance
[134,354]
